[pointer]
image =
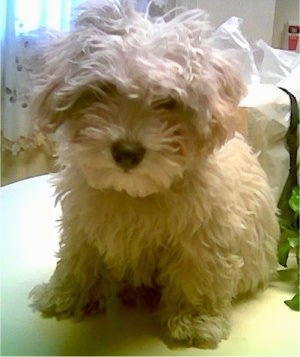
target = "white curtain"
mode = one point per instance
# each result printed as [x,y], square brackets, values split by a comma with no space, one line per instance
[20,20]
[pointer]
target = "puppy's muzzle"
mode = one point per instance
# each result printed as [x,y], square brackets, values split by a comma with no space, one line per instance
[127,154]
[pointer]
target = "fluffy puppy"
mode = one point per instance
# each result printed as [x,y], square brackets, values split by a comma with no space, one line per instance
[157,190]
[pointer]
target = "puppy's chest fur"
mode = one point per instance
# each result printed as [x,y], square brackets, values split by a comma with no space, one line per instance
[132,238]
[131,234]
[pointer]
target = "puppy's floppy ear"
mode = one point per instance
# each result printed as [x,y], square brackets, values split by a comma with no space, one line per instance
[225,92]
[54,69]
[230,87]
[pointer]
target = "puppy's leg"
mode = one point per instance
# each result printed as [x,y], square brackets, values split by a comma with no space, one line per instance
[78,286]
[197,294]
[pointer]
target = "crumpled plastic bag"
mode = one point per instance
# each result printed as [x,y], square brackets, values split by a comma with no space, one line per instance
[268,118]
[265,69]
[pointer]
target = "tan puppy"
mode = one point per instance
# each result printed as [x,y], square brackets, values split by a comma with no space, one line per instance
[157,190]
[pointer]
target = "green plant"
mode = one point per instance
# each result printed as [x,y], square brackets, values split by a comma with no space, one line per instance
[289,224]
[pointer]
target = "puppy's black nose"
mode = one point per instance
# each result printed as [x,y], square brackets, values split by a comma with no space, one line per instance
[127,154]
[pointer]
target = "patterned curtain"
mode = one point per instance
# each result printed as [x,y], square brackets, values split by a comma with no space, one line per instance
[22,19]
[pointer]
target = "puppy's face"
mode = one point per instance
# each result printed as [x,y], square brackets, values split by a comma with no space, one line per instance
[136,105]
[130,143]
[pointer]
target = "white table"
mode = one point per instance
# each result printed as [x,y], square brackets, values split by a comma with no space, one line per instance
[29,238]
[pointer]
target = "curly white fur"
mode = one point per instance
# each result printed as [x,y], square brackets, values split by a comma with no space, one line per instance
[193,218]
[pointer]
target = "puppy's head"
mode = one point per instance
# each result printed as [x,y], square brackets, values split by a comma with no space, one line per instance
[136,104]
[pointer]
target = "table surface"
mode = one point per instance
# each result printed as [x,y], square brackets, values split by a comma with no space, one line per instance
[263,325]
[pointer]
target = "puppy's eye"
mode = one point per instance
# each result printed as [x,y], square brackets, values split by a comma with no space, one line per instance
[165,104]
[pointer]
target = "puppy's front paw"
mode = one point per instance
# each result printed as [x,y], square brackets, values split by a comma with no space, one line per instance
[55,301]
[197,330]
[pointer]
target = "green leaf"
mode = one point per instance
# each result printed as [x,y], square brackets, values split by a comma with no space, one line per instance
[294,200]
[293,303]
[283,253]
[293,242]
